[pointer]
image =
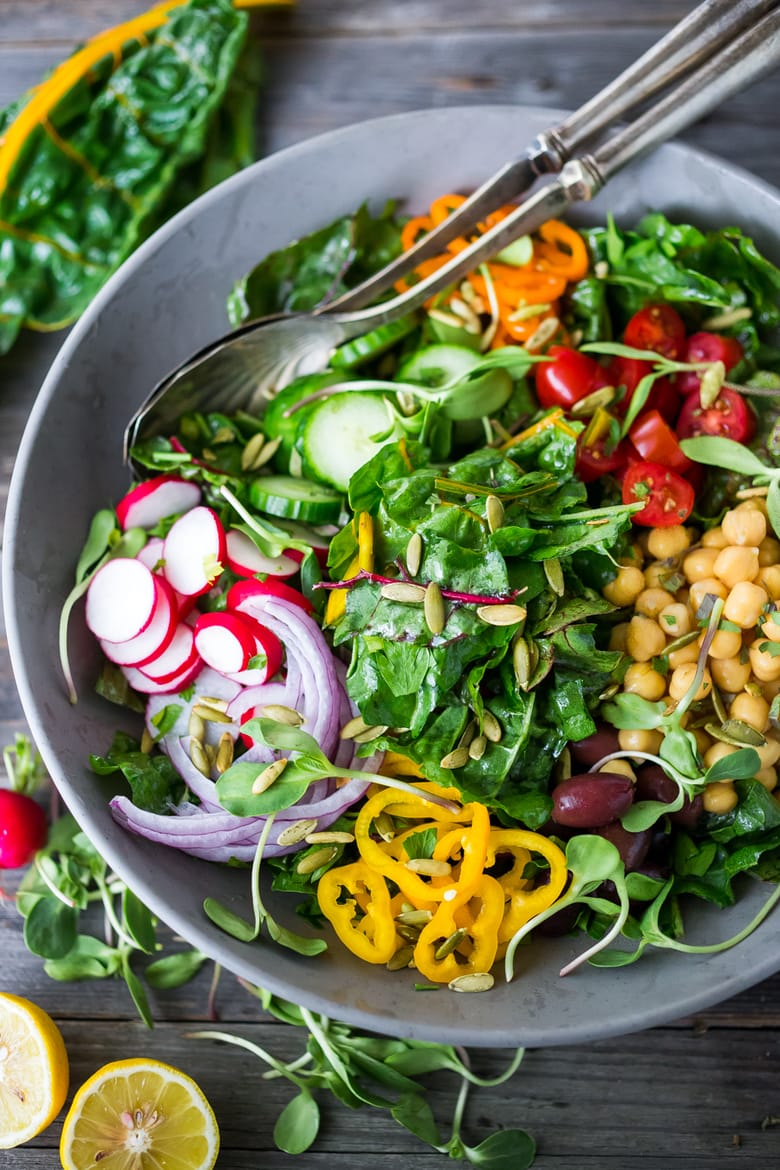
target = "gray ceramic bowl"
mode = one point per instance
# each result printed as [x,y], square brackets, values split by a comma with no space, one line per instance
[166,302]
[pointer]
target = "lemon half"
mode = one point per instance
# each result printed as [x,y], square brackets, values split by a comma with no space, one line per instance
[139,1115]
[33,1070]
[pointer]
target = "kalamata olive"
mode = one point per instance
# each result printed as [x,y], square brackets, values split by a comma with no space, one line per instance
[632,847]
[587,752]
[688,816]
[652,783]
[592,799]
[655,870]
[561,922]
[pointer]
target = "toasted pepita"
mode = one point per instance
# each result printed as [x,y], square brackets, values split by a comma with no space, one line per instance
[433,609]
[196,726]
[477,981]
[540,337]
[468,734]
[501,614]
[554,574]
[402,958]
[521,663]
[282,714]
[252,450]
[403,591]
[491,728]
[414,554]
[212,701]
[225,752]
[211,714]
[370,733]
[455,759]
[385,826]
[268,776]
[414,917]
[477,747]
[315,860]
[147,741]
[330,837]
[450,944]
[353,727]
[199,757]
[494,513]
[297,831]
[429,866]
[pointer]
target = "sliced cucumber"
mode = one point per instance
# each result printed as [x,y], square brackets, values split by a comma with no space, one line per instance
[444,333]
[373,344]
[339,436]
[519,253]
[295,499]
[436,365]
[275,422]
[479,396]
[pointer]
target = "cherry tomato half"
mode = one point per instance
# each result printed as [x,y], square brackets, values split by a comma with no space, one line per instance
[656,442]
[729,416]
[668,498]
[707,347]
[593,461]
[566,379]
[629,372]
[659,328]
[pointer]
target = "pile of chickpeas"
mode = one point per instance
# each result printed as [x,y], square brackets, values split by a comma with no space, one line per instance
[667,581]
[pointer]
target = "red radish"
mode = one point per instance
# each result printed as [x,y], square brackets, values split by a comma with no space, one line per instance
[22,829]
[151,554]
[146,686]
[318,538]
[151,501]
[244,591]
[194,551]
[178,656]
[224,641]
[246,559]
[267,647]
[154,639]
[121,600]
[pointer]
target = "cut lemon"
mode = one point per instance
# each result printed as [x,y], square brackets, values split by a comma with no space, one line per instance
[139,1115]
[33,1070]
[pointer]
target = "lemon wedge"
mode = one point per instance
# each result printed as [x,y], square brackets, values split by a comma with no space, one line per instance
[33,1070]
[139,1115]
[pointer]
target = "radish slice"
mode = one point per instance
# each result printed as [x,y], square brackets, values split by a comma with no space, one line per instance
[267,647]
[178,656]
[194,551]
[224,641]
[121,600]
[151,554]
[154,499]
[245,590]
[146,686]
[154,639]
[318,538]
[246,559]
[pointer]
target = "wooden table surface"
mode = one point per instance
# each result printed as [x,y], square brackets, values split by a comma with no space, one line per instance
[701,1093]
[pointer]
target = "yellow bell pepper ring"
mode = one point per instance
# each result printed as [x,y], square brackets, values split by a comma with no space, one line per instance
[524,901]
[356,902]
[457,943]
[472,842]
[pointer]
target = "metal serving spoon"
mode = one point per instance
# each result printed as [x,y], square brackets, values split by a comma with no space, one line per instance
[237,371]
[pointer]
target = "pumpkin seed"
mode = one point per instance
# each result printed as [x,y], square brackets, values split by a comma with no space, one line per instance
[491,728]
[521,662]
[554,574]
[681,642]
[296,464]
[196,726]
[330,837]
[539,338]
[212,701]
[455,759]
[526,312]
[429,866]
[403,591]
[477,748]
[282,714]
[414,554]
[501,615]
[385,826]
[223,435]
[468,734]
[402,958]
[410,934]
[720,707]
[414,917]
[297,831]
[199,757]
[609,692]
[353,727]
[588,405]
[723,320]
[433,609]
[494,512]
[268,776]
[370,733]
[225,752]
[315,860]
[469,319]
[450,944]
[446,318]
[737,733]
[711,384]
[477,981]
[563,769]
[147,741]
[266,455]
[252,450]
[211,714]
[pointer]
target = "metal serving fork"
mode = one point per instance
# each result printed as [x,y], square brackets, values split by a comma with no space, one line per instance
[721,47]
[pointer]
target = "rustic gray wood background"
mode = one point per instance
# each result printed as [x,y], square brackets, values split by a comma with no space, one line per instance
[700,1094]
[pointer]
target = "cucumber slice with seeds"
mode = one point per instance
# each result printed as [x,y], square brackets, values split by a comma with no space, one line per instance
[437,365]
[292,498]
[340,436]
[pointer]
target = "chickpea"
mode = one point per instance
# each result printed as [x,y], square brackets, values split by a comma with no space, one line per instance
[668,542]
[640,741]
[714,538]
[645,639]
[635,555]
[766,667]
[753,504]
[655,574]
[617,637]
[700,563]
[769,578]
[718,751]
[752,709]
[769,754]
[770,689]
[770,628]
[675,620]
[744,526]
[650,602]
[767,777]
[725,644]
[703,741]
[768,551]
[719,797]
[736,563]
[621,767]
[700,589]
[682,679]
[684,655]
[626,586]
[730,674]
[744,604]
[640,679]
